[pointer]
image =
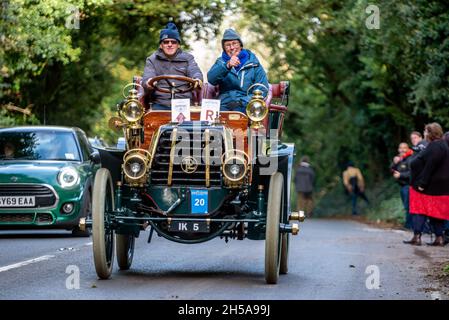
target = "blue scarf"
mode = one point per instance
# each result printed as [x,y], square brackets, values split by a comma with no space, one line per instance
[243,57]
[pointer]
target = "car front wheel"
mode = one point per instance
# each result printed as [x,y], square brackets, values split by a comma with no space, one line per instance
[102,232]
[272,235]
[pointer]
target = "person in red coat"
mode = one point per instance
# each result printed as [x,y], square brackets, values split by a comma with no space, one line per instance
[429,192]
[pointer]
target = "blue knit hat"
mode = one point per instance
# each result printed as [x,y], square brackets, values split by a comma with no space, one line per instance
[170,32]
[230,34]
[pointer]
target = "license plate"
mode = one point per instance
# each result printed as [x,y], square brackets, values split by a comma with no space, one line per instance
[11,202]
[199,201]
[188,226]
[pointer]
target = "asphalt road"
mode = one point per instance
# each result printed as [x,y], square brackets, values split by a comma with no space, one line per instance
[329,259]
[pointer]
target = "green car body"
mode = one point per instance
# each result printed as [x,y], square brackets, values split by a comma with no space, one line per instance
[31,193]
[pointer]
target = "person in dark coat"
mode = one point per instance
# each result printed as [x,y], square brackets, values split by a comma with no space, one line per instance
[401,172]
[429,192]
[235,72]
[169,59]
[418,143]
[304,183]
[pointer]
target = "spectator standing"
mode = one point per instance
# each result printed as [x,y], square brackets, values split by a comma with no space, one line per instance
[354,184]
[401,172]
[304,182]
[418,143]
[429,192]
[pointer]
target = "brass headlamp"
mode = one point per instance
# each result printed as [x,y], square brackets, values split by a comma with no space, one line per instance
[132,110]
[136,165]
[256,109]
[234,166]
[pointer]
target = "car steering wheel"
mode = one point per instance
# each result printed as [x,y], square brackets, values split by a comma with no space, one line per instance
[154,83]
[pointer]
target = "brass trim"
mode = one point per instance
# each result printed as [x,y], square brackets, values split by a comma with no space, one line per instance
[189,164]
[207,150]
[82,224]
[143,155]
[298,216]
[229,143]
[235,154]
[153,144]
[295,229]
[301,216]
[260,118]
[174,135]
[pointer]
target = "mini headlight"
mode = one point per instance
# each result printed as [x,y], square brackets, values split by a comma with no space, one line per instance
[133,110]
[68,177]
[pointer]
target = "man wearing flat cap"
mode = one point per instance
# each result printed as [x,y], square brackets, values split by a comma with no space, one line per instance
[235,72]
[169,59]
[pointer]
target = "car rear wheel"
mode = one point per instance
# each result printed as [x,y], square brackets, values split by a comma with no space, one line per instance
[283,269]
[125,250]
[102,233]
[272,235]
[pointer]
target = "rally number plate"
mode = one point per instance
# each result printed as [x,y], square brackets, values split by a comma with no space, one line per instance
[199,201]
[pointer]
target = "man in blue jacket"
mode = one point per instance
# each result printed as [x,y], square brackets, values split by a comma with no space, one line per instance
[234,72]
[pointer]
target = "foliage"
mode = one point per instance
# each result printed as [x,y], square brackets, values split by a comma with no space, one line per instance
[356,92]
[8,119]
[68,73]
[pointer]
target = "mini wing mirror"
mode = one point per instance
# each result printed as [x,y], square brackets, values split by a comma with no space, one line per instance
[95,157]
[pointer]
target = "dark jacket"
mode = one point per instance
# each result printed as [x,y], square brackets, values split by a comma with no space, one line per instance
[182,64]
[420,146]
[304,178]
[234,84]
[403,167]
[430,169]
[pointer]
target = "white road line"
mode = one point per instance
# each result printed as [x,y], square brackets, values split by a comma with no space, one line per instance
[24,263]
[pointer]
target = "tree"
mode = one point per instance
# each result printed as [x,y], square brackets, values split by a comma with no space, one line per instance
[356,92]
[69,74]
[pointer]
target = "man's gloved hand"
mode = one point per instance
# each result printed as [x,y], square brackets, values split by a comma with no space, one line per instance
[198,83]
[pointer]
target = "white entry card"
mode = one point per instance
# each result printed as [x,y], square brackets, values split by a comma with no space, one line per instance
[210,109]
[180,110]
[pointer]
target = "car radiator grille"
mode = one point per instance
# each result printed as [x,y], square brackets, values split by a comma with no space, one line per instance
[44,195]
[196,146]
[42,218]
[16,218]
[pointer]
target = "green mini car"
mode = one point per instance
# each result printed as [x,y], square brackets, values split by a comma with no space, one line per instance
[46,178]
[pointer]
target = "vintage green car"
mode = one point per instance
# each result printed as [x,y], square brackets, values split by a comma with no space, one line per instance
[192,179]
[46,178]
